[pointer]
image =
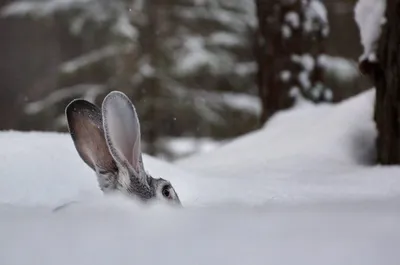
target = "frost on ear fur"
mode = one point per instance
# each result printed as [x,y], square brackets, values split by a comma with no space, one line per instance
[86,129]
[122,132]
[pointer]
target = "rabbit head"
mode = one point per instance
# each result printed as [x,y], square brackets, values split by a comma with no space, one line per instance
[108,141]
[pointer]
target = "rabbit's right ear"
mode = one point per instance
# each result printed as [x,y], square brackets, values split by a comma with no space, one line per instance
[86,128]
[122,132]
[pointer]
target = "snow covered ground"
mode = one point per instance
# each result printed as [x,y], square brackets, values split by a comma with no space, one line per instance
[310,153]
[302,190]
[365,233]
[44,169]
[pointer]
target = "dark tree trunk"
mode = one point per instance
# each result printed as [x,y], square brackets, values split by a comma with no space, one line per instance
[150,45]
[279,43]
[386,76]
[270,55]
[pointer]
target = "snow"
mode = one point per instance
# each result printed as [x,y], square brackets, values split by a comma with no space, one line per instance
[364,233]
[124,27]
[308,64]
[86,91]
[41,8]
[306,60]
[300,190]
[285,75]
[304,80]
[370,16]
[315,11]
[318,8]
[240,101]
[298,97]
[286,31]
[328,94]
[147,70]
[245,68]
[207,102]
[194,55]
[82,11]
[184,146]
[225,39]
[44,169]
[223,11]
[93,57]
[292,18]
[309,153]
[342,68]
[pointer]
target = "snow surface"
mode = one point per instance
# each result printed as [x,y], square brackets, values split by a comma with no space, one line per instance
[309,153]
[370,15]
[299,191]
[44,169]
[362,233]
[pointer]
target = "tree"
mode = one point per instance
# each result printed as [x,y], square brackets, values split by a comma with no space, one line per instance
[289,52]
[381,62]
[186,64]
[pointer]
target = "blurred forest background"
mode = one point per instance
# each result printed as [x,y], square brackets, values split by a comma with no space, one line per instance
[200,72]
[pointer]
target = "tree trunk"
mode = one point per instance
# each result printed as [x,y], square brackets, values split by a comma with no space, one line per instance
[270,56]
[386,76]
[150,45]
[287,53]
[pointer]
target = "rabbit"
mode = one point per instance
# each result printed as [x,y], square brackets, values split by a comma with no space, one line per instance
[108,141]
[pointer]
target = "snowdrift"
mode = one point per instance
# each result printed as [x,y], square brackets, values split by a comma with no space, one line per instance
[364,233]
[41,168]
[341,133]
[308,153]
[244,203]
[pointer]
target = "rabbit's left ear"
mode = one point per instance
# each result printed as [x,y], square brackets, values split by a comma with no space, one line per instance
[122,131]
[86,129]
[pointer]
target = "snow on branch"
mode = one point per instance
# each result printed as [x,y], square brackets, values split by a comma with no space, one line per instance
[195,55]
[239,17]
[87,91]
[116,13]
[40,8]
[94,57]
[316,17]
[370,16]
[342,68]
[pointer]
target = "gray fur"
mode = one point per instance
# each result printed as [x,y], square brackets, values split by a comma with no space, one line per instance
[108,140]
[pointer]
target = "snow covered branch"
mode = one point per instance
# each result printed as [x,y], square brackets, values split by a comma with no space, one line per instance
[86,91]
[370,16]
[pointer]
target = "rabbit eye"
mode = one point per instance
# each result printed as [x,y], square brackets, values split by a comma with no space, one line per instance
[166,192]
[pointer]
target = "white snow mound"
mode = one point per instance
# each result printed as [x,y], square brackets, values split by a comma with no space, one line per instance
[308,153]
[364,233]
[43,168]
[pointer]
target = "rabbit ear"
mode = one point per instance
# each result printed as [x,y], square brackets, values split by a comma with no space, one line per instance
[85,126]
[122,131]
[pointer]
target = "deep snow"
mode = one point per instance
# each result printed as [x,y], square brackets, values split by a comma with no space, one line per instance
[45,169]
[365,234]
[299,191]
[309,153]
